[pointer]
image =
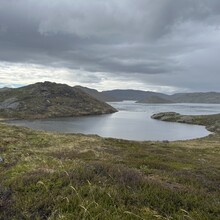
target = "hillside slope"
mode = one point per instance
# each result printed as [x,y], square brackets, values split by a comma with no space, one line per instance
[206,97]
[131,94]
[98,95]
[47,100]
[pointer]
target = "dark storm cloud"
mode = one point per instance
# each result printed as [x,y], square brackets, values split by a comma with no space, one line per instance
[153,41]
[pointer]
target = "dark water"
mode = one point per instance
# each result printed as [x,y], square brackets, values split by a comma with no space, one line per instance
[132,122]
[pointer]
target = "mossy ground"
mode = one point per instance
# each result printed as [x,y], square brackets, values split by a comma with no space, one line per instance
[65,176]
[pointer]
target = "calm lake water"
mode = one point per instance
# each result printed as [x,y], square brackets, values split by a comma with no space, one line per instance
[132,122]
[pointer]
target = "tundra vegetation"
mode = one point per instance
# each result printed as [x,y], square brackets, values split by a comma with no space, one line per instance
[71,176]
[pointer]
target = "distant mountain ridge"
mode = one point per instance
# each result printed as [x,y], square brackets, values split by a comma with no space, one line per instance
[153,97]
[199,97]
[120,95]
[130,94]
[49,100]
[98,95]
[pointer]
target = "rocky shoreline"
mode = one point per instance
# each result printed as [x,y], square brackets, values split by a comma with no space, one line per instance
[211,122]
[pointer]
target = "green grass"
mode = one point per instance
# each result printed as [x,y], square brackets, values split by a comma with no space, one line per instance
[58,176]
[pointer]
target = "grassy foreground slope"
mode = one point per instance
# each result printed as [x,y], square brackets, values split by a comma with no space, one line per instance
[66,176]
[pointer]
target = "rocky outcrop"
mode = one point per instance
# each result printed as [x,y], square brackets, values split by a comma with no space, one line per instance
[166,116]
[10,103]
[173,116]
[185,119]
[215,127]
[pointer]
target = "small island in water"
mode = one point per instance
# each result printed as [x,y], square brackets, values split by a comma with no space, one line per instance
[45,175]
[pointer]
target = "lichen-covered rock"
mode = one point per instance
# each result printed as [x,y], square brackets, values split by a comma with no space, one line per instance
[185,119]
[10,103]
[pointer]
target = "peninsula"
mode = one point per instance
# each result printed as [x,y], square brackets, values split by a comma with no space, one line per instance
[49,100]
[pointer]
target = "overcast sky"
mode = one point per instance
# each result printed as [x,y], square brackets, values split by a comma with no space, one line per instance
[161,45]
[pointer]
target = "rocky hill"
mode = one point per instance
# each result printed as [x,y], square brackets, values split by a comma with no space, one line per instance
[48,100]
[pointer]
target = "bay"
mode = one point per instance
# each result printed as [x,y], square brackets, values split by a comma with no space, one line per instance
[131,122]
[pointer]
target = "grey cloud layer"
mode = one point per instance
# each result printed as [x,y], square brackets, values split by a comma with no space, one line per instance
[152,41]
